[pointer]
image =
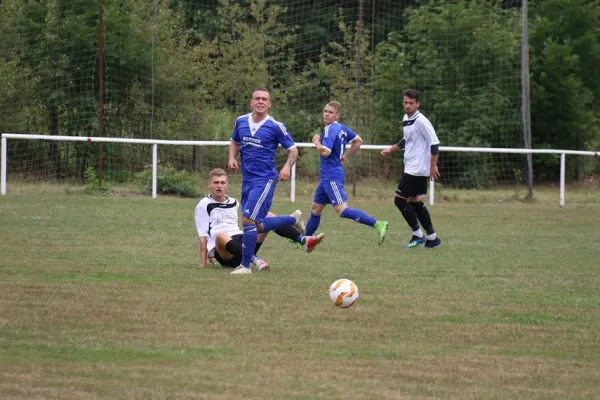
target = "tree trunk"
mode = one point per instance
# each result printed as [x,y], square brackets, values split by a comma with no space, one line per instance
[197,158]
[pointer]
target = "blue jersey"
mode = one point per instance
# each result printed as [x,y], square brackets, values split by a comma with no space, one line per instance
[334,138]
[258,144]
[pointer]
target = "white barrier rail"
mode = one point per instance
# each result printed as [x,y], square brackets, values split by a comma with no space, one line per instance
[156,142]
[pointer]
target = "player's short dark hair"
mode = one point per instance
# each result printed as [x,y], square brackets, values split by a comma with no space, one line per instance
[412,93]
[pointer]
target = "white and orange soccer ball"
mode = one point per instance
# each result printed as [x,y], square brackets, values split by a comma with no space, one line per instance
[343,293]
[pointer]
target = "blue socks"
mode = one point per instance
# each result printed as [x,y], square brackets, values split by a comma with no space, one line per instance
[313,224]
[248,244]
[350,213]
[251,235]
[358,216]
[271,223]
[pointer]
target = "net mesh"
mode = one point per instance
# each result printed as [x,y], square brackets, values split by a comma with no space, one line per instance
[184,69]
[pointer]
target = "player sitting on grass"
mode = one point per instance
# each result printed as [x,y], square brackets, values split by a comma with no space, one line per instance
[216,217]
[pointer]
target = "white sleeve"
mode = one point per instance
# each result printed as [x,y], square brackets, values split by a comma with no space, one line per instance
[202,221]
[429,133]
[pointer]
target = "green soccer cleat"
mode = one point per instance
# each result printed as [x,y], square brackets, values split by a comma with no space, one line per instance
[381,228]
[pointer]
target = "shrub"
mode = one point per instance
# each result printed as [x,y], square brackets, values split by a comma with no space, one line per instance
[169,181]
[91,181]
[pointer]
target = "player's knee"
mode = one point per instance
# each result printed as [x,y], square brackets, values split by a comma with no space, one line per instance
[341,209]
[400,203]
[233,247]
[316,209]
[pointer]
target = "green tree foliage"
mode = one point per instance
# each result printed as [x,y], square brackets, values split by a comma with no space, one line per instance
[183,69]
[565,80]
[447,50]
[342,73]
[250,49]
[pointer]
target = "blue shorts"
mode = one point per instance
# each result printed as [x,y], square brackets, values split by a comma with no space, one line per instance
[257,198]
[330,192]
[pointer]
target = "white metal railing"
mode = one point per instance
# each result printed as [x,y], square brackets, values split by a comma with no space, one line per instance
[156,142]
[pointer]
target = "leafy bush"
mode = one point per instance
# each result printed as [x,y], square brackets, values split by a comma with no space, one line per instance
[170,181]
[91,181]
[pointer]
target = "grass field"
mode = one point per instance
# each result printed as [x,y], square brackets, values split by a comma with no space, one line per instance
[102,297]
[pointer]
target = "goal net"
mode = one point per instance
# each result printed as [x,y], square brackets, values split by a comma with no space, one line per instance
[184,69]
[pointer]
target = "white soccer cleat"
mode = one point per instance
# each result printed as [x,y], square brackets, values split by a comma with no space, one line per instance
[241,270]
[312,242]
[261,265]
[299,224]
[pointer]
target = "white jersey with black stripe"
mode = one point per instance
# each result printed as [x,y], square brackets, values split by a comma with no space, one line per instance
[213,217]
[419,136]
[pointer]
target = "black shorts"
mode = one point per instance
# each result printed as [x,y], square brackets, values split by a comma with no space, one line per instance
[236,260]
[412,186]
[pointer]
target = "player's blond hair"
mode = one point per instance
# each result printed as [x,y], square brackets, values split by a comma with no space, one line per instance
[336,105]
[217,172]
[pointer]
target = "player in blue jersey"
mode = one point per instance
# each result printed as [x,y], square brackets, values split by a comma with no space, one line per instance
[256,137]
[331,145]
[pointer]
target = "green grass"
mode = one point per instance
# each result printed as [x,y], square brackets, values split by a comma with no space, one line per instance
[102,297]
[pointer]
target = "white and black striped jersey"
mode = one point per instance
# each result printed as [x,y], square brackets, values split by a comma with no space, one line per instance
[419,136]
[213,217]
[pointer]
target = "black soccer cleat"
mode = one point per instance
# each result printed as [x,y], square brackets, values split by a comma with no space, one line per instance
[433,243]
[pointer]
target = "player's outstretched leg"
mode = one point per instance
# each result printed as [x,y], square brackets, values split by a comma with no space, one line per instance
[381,227]
[299,224]
[363,218]
[310,242]
[274,222]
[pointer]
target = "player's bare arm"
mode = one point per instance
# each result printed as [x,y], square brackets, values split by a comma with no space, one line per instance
[285,172]
[234,149]
[319,146]
[203,251]
[434,172]
[354,146]
[390,150]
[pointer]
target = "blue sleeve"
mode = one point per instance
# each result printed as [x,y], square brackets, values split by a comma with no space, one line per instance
[284,138]
[351,135]
[330,134]
[235,135]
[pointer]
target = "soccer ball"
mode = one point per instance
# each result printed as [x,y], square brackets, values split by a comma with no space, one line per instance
[343,293]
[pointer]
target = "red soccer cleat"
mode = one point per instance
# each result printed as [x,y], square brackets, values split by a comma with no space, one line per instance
[312,241]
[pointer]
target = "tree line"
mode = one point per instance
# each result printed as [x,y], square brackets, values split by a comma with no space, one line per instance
[183,69]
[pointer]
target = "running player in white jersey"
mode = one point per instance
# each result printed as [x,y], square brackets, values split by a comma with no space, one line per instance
[421,150]
[216,217]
